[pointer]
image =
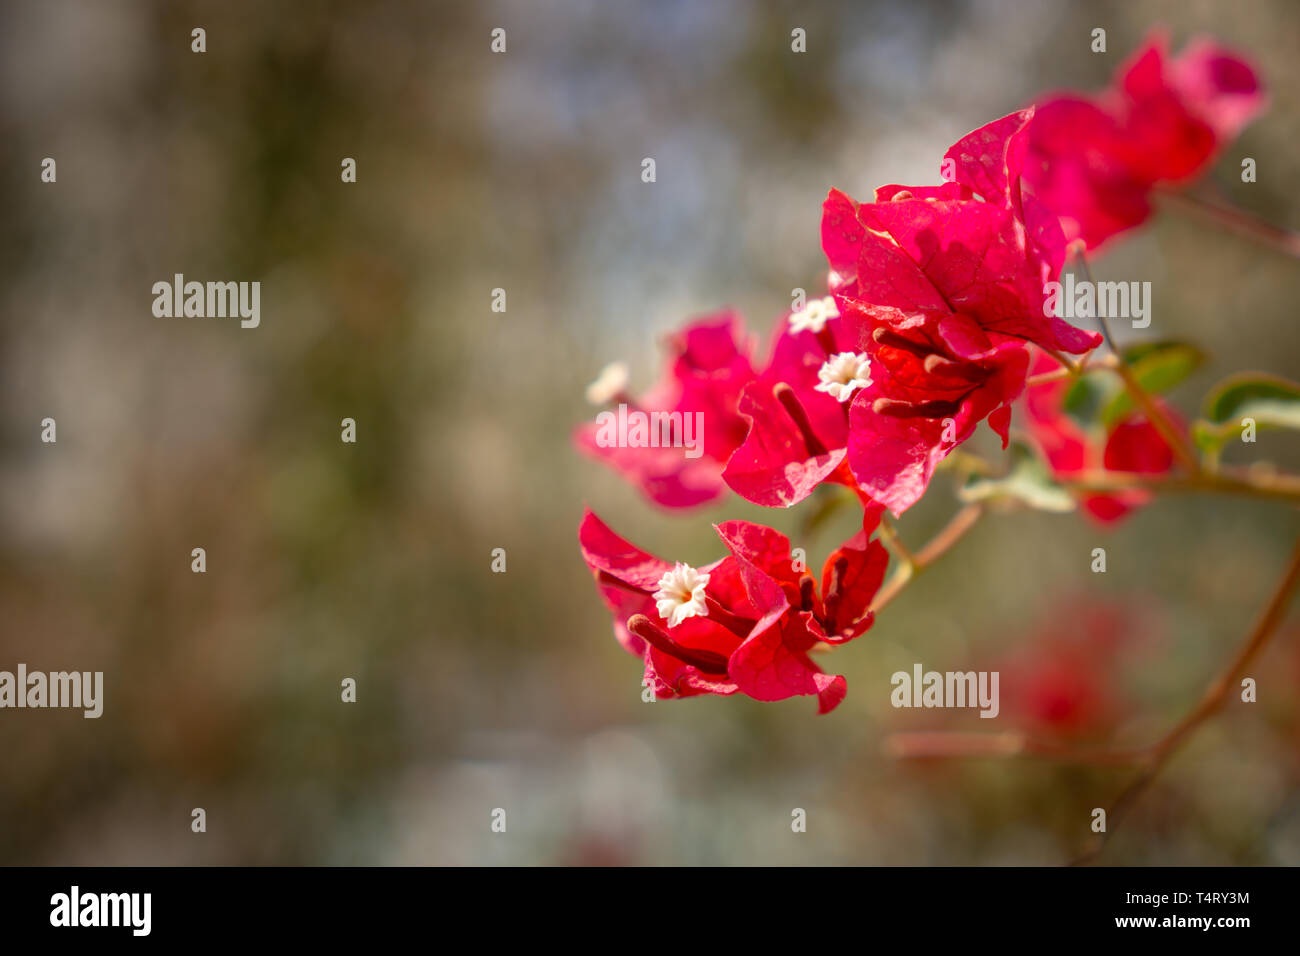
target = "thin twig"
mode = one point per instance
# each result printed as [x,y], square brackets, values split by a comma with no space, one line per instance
[968,463]
[1152,759]
[933,549]
[1173,437]
[1159,753]
[929,744]
[1071,369]
[1058,374]
[1277,487]
[1236,220]
[895,543]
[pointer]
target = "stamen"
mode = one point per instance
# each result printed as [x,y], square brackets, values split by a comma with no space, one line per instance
[965,370]
[835,592]
[606,578]
[650,632]
[899,409]
[892,339]
[807,588]
[794,408]
[740,626]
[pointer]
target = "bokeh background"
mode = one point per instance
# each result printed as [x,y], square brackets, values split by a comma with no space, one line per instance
[326,560]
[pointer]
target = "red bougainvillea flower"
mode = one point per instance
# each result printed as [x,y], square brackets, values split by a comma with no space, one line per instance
[744,623]
[941,249]
[1058,689]
[1132,445]
[1094,160]
[674,441]
[941,289]
[935,377]
[797,410]
[1062,682]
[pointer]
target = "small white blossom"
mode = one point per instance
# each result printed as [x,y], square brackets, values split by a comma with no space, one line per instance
[611,382]
[814,315]
[681,594]
[843,374]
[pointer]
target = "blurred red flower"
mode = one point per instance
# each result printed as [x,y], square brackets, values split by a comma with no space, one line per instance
[1131,445]
[1063,681]
[710,363]
[1094,160]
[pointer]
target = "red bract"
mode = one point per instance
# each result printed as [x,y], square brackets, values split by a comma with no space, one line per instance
[1094,160]
[1132,445]
[750,618]
[1059,690]
[1061,682]
[710,363]
[939,249]
[942,290]
[798,427]
[935,377]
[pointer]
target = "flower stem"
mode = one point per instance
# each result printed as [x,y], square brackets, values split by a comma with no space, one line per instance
[1173,437]
[1057,374]
[1152,759]
[1243,482]
[968,463]
[930,744]
[933,549]
[1159,753]
[1070,369]
[895,544]
[1235,220]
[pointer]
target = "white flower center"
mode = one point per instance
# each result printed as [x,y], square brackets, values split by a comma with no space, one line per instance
[813,316]
[843,374]
[681,594]
[611,382]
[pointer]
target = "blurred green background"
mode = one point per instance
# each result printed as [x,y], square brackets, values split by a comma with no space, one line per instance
[326,560]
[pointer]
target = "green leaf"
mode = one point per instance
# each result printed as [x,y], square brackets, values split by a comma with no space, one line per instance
[1087,396]
[1140,350]
[1208,437]
[1158,367]
[1029,482]
[1269,400]
[1255,395]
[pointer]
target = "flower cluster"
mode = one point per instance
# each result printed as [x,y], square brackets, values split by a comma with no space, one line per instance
[1096,160]
[935,317]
